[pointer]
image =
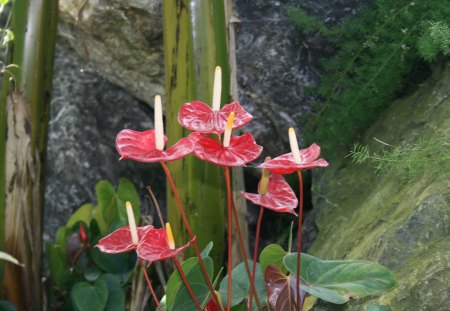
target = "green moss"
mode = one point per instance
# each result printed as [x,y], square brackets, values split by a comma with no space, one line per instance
[402,224]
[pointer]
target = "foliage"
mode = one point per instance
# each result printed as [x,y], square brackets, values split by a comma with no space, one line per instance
[80,270]
[379,55]
[425,156]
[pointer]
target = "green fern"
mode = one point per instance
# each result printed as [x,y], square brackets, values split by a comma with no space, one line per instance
[424,157]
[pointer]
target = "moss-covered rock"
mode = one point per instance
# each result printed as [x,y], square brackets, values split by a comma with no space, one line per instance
[401,223]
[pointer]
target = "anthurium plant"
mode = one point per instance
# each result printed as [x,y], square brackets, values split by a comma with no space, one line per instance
[275,279]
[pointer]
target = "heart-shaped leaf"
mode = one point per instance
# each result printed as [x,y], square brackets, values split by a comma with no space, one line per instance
[272,254]
[338,281]
[281,289]
[89,297]
[177,296]
[240,289]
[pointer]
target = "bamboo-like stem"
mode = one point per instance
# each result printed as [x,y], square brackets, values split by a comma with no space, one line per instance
[299,237]
[255,254]
[244,254]
[230,227]
[186,283]
[150,285]
[191,234]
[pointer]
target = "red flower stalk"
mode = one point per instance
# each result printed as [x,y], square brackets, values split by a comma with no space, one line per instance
[199,117]
[275,194]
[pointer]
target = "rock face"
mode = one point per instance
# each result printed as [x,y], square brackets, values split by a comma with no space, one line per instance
[122,40]
[86,114]
[402,224]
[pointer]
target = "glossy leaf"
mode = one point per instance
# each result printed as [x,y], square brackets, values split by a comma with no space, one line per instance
[106,201]
[154,246]
[205,252]
[242,150]
[177,296]
[57,264]
[282,293]
[89,297]
[140,146]
[272,254]
[7,306]
[285,163]
[199,117]
[126,191]
[339,281]
[240,289]
[83,214]
[279,196]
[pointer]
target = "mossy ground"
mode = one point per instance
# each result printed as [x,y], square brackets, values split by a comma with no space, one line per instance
[402,224]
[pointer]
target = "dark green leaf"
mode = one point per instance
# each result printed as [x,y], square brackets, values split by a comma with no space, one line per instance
[106,198]
[7,306]
[178,298]
[240,289]
[205,252]
[374,307]
[127,192]
[57,264]
[89,297]
[116,298]
[272,254]
[338,281]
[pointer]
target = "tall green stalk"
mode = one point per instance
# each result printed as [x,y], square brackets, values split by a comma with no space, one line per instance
[194,43]
[24,107]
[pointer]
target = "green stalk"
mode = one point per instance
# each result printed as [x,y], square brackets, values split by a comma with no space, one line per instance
[194,43]
[24,107]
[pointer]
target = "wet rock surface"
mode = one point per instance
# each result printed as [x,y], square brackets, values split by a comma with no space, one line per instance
[86,114]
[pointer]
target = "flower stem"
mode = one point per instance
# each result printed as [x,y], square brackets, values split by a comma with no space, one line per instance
[299,237]
[186,283]
[191,234]
[230,226]
[244,254]
[150,285]
[255,254]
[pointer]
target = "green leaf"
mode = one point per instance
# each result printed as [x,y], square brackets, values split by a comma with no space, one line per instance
[272,254]
[205,252]
[240,289]
[178,298]
[57,264]
[119,264]
[89,297]
[116,298]
[83,214]
[11,259]
[374,307]
[338,281]
[127,192]
[106,200]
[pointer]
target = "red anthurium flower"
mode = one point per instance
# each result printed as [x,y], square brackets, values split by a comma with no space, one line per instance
[141,147]
[279,196]
[158,244]
[286,164]
[199,117]
[241,150]
[120,241]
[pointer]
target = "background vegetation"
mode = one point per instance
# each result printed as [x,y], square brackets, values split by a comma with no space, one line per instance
[381,55]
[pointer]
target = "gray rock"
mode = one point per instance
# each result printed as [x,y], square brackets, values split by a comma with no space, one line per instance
[87,112]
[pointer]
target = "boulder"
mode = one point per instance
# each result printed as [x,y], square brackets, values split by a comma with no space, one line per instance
[402,223]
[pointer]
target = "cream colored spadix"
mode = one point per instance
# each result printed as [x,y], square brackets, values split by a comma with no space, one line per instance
[294,146]
[264,179]
[170,239]
[159,127]
[228,128]
[132,223]
[217,89]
